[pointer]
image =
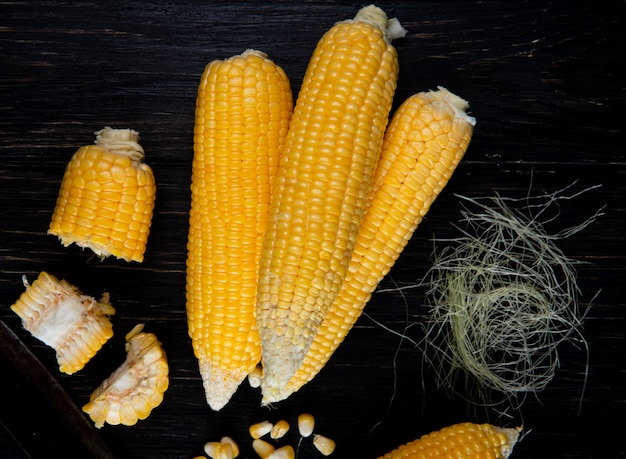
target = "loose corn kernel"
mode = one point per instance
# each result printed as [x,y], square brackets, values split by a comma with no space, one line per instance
[234,446]
[279,430]
[284,452]
[106,199]
[324,176]
[58,314]
[136,387]
[323,444]
[461,441]
[243,109]
[306,424]
[260,428]
[262,448]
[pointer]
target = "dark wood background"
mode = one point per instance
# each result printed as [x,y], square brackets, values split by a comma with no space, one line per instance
[547,84]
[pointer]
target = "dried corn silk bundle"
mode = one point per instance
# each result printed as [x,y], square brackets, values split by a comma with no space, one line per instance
[502,298]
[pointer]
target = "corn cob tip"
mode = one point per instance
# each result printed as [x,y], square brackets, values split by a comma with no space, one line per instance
[512,435]
[391,28]
[458,104]
[124,141]
[219,384]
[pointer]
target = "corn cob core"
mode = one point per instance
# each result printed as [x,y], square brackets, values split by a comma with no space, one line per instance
[243,109]
[424,142]
[106,199]
[136,387]
[465,440]
[323,183]
[58,314]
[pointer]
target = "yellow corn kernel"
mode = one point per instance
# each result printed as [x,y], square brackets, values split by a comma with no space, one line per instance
[279,429]
[323,444]
[226,448]
[260,428]
[136,387]
[233,445]
[323,183]
[414,167]
[466,440]
[255,376]
[306,424]
[284,452]
[262,448]
[58,314]
[243,109]
[106,199]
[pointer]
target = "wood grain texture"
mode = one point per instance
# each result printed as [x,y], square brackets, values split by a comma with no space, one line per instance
[547,84]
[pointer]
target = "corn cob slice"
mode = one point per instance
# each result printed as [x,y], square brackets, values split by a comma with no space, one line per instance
[465,440]
[244,105]
[426,138]
[323,184]
[58,314]
[136,387]
[106,198]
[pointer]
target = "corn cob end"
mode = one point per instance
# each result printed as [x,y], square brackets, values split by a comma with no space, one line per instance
[219,383]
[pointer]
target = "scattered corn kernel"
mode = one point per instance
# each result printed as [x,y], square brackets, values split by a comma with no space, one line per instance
[260,428]
[226,448]
[212,449]
[136,387]
[232,443]
[284,452]
[306,423]
[262,448]
[58,314]
[279,430]
[324,445]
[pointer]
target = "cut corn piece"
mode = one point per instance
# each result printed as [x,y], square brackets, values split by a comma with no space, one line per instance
[426,139]
[323,444]
[306,424]
[279,430]
[243,109]
[106,199]
[465,440]
[262,448]
[58,314]
[136,387]
[260,428]
[323,184]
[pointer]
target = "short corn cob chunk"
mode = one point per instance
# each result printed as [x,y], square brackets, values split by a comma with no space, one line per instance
[136,387]
[243,109]
[459,441]
[107,197]
[426,139]
[57,313]
[323,183]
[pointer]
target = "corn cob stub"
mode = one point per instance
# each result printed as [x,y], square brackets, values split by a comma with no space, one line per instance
[73,324]
[426,139]
[243,109]
[106,198]
[459,441]
[323,184]
[136,387]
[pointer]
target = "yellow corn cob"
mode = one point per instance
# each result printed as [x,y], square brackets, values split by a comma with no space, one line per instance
[465,440]
[425,140]
[57,313]
[136,387]
[323,184]
[107,197]
[243,109]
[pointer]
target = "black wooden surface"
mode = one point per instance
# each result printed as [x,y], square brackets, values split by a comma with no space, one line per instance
[547,85]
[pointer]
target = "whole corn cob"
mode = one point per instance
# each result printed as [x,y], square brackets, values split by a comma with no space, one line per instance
[136,387]
[243,109]
[107,197]
[57,313]
[425,140]
[323,183]
[459,441]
